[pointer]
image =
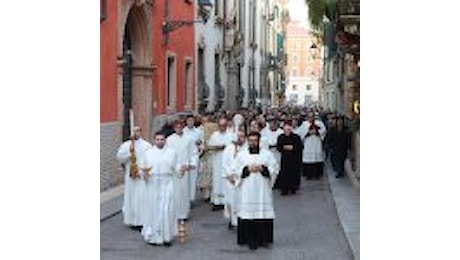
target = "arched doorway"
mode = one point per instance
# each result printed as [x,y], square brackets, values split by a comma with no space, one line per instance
[135,76]
[127,83]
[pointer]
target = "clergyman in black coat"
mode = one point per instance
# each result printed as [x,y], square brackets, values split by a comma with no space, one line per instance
[339,143]
[290,146]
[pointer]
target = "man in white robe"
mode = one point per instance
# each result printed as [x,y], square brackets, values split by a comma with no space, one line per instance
[160,168]
[231,177]
[196,135]
[258,171]
[237,124]
[217,142]
[255,126]
[262,122]
[187,157]
[205,160]
[134,186]
[313,154]
[230,127]
[271,135]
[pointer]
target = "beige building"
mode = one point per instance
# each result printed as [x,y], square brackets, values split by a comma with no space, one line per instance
[304,65]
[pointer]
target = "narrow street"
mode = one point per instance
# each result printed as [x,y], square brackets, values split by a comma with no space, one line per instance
[306,227]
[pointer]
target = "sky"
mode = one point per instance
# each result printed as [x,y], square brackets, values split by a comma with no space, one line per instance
[298,11]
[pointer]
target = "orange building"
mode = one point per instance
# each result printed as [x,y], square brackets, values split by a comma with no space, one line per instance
[303,68]
[301,62]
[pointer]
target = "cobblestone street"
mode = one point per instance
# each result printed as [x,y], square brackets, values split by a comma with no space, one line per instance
[306,227]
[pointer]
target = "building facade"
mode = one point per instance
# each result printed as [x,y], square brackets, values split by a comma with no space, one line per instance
[246,37]
[162,57]
[143,70]
[304,67]
[331,94]
[341,79]
[209,50]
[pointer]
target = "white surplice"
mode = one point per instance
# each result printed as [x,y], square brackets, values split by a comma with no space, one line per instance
[299,131]
[217,139]
[231,190]
[134,188]
[196,136]
[255,191]
[271,138]
[160,218]
[313,144]
[186,152]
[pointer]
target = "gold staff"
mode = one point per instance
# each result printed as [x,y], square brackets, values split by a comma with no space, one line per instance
[133,171]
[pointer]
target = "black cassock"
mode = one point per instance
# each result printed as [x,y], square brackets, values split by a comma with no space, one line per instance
[339,142]
[291,162]
[255,232]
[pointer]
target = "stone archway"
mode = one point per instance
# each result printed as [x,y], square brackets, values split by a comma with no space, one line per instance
[135,76]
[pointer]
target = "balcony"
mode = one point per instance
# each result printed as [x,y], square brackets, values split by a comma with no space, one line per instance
[273,63]
[348,11]
[219,20]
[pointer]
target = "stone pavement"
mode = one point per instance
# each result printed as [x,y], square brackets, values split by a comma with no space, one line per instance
[346,198]
[111,201]
[306,227]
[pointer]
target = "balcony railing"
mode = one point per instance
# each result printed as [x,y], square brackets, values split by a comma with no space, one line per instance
[349,10]
[349,7]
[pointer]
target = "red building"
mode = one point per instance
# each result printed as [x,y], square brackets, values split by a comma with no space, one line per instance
[142,71]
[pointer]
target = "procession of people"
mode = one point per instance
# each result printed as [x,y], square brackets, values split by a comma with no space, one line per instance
[233,161]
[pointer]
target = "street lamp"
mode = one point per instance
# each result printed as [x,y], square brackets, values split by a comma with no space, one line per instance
[205,7]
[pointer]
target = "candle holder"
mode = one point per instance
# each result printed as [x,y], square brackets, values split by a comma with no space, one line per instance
[182,231]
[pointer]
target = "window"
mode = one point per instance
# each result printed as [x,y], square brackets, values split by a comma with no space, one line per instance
[216,7]
[293,97]
[217,75]
[294,73]
[294,87]
[308,87]
[252,26]
[295,59]
[103,10]
[251,20]
[171,81]
[242,15]
[188,86]
[203,88]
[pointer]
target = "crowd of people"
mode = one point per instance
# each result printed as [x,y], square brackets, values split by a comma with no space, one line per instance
[233,161]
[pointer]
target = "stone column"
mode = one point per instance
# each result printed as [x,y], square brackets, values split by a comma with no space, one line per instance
[232,85]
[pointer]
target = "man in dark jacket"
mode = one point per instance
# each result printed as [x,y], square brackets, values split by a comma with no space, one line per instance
[339,143]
